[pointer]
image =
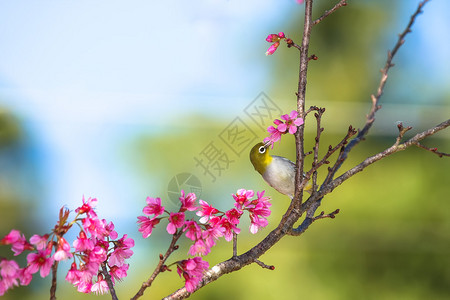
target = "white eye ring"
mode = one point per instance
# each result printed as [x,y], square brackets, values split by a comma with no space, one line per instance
[262,149]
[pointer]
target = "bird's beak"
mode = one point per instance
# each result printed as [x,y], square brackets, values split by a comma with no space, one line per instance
[267,144]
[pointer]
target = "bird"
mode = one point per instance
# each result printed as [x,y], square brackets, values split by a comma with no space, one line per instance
[277,171]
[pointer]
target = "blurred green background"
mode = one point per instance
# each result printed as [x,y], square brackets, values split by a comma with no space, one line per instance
[113,100]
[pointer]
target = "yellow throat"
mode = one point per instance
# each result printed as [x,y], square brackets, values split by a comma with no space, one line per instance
[260,158]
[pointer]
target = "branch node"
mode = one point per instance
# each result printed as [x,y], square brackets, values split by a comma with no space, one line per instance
[313,57]
[263,265]
[322,215]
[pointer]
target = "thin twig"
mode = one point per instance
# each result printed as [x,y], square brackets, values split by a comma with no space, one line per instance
[351,132]
[391,150]
[433,150]
[375,98]
[322,215]
[159,268]
[329,12]
[319,131]
[263,265]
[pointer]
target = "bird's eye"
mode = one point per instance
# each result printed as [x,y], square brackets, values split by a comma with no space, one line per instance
[262,150]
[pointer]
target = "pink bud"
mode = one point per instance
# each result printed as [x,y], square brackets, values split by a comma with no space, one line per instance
[281,35]
[272,48]
[272,38]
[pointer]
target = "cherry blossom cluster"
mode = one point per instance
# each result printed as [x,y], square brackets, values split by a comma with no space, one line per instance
[95,248]
[288,124]
[204,233]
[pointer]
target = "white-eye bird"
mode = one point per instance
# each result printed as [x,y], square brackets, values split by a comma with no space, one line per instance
[277,171]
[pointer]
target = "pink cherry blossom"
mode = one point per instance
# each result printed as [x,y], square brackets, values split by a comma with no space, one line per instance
[97,255]
[206,212]
[84,286]
[25,276]
[41,260]
[193,231]
[192,271]
[199,248]
[118,273]
[109,230]
[176,220]
[122,251]
[9,268]
[63,250]
[73,275]
[12,237]
[82,243]
[153,207]
[100,287]
[256,223]
[234,215]
[242,198]
[292,122]
[188,202]
[289,124]
[39,241]
[146,225]
[212,233]
[87,207]
[229,228]
[17,241]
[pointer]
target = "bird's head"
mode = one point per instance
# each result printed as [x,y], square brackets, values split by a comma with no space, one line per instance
[260,158]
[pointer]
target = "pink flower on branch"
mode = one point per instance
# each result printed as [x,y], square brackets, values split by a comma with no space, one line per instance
[289,124]
[121,251]
[242,198]
[17,241]
[41,260]
[40,242]
[188,202]
[100,287]
[176,220]
[199,248]
[82,243]
[87,207]
[153,207]
[192,271]
[118,273]
[193,231]
[206,212]
[63,250]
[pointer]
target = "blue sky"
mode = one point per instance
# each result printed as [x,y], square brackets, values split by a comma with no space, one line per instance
[81,74]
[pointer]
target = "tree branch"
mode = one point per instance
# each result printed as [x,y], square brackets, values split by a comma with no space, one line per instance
[375,98]
[160,267]
[297,208]
[54,280]
[301,94]
[433,150]
[391,150]
[109,281]
[329,12]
